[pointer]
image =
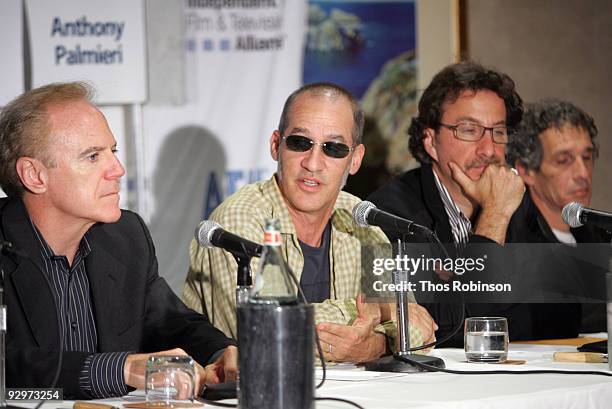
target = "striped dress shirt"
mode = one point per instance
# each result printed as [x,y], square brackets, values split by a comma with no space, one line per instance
[461,226]
[102,373]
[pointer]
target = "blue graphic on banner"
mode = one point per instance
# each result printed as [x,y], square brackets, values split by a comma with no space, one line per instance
[234,179]
[349,41]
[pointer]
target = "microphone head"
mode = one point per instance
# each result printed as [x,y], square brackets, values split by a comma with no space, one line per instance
[204,231]
[360,213]
[571,214]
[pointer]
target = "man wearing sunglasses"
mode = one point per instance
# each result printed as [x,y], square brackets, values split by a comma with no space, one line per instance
[317,145]
[463,190]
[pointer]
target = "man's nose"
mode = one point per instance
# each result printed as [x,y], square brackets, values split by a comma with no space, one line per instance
[313,160]
[582,169]
[486,146]
[116,169]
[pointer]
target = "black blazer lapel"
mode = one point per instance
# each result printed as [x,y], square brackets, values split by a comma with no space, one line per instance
[32,287]
[106,279]
[38,304]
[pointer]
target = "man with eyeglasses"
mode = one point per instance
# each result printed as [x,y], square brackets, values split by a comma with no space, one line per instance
[554,151]
[463,190]
[317,145]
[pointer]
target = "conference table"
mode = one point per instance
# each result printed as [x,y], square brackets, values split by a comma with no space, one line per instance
[375,390]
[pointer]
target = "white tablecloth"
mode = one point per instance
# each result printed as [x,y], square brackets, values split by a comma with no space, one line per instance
[448,391]
[440,390]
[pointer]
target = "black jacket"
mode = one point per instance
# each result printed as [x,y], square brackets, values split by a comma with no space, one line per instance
[578,271]
[413,195]
[134,308]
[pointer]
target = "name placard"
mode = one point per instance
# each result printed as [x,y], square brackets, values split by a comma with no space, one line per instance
[99,42]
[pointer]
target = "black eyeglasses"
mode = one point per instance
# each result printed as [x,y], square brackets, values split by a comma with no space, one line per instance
[474,132]
[299,143]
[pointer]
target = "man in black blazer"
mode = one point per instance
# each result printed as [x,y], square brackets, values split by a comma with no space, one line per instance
[84,274]
[554,151]
[463,190]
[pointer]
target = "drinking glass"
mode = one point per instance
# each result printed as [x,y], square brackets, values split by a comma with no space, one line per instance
[169,378]
[486,339]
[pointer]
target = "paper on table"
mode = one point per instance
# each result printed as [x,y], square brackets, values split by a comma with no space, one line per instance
[356,374]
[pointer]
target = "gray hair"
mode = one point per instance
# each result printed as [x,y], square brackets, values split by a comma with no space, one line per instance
[525,147]
[24,128]
[331,90]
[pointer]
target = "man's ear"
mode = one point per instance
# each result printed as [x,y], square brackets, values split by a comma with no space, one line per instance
[527,175]
[357,158]
[429,143]
[33,174]
[275,142]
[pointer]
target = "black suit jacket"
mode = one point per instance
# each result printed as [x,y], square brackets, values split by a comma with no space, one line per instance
[565,270]
[414,195]
[134,308]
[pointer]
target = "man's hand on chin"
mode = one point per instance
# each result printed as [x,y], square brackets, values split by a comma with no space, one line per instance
[498,193]
[356,342]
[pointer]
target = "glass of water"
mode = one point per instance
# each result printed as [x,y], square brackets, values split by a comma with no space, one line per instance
[169,378]
[486,339]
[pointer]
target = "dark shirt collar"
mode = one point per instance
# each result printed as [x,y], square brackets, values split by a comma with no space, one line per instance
[47,252]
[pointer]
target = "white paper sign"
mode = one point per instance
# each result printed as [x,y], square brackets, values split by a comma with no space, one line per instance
[11,67]
[101,42]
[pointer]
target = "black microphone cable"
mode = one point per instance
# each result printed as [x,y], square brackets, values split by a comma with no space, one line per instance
[431,368]
[319,350]
[434,237]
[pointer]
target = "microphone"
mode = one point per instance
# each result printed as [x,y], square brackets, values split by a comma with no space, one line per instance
[210,234]
[366,214]
[576,215]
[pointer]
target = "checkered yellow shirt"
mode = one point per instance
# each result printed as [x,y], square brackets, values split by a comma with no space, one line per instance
[244,213]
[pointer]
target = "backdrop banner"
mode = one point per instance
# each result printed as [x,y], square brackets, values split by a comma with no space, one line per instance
[243,58]
[11,34]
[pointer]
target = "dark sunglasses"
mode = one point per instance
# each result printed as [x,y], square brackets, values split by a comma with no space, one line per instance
[299,143]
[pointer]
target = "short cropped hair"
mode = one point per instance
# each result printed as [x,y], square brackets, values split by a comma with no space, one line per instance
[446,87]
[24,128]
[526,146]
[330,90]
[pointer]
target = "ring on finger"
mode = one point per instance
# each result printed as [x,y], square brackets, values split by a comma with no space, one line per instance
[329,349]
[514,171]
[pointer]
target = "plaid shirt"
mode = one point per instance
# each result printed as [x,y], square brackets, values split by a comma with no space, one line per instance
[244,214]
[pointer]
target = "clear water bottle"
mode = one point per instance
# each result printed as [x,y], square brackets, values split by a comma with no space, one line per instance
[273,282]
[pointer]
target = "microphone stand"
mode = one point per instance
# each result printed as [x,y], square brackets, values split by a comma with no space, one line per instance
[397,362]
[244,278]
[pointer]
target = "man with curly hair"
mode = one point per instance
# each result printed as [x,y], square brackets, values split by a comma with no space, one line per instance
[554,151]
[464,191]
